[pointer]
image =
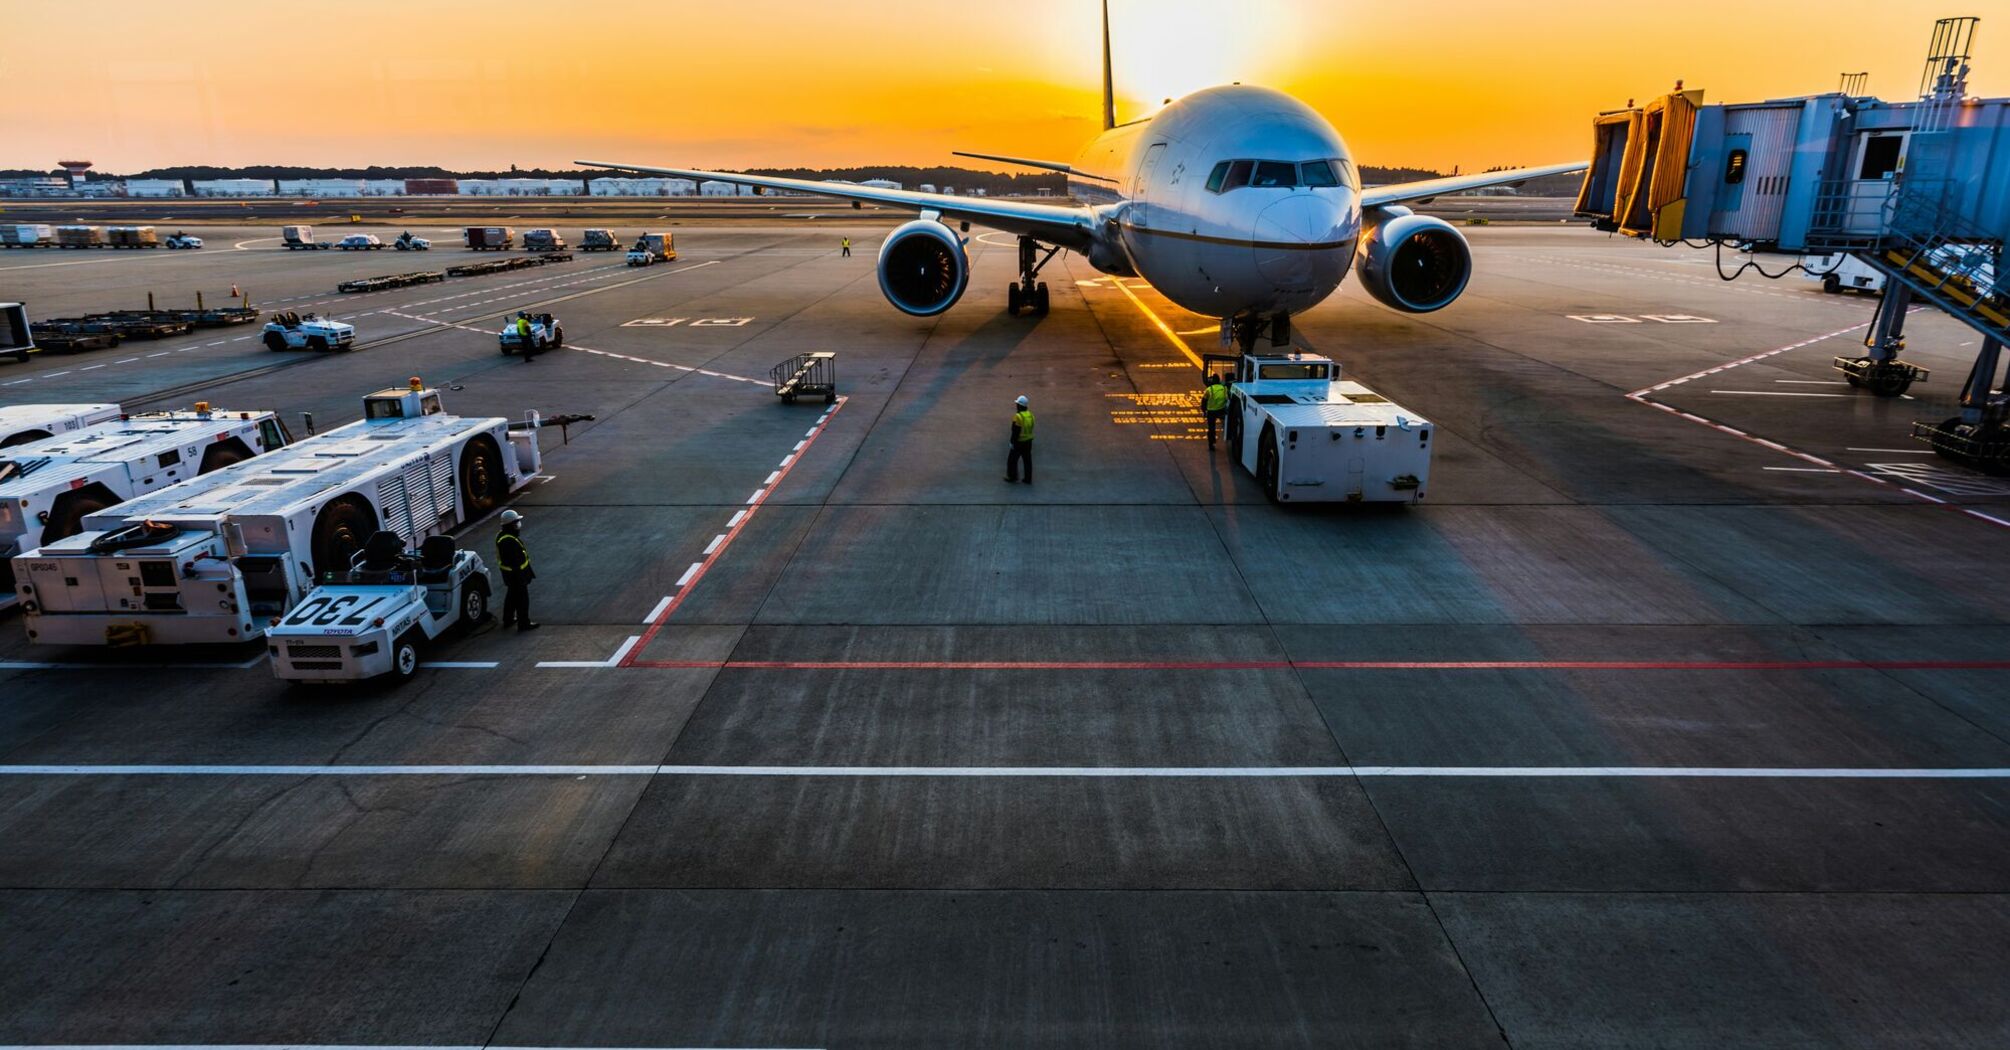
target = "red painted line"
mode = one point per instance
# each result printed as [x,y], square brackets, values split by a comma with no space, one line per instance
[753,507]
[1326,665]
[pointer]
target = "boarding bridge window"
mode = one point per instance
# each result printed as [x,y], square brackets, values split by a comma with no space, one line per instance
[1881,154]
[1291,371]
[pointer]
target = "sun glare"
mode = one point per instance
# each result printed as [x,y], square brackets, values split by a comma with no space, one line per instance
[1163,49]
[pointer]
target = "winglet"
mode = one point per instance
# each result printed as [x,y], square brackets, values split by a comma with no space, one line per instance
[1109,86]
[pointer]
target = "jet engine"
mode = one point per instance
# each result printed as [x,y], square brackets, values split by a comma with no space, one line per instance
[923,268]
[1412,262]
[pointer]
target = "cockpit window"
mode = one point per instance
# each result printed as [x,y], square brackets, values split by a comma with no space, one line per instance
[1279,174]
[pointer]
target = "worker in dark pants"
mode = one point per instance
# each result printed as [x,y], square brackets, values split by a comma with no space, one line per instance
[525,345]
[1022,443]
[1214,405]
[514,560]
[845,245]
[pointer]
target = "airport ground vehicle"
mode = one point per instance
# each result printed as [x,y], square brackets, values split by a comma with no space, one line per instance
[291,331]
[489,238]
[408,243]
[17,336]
[543,240]
[1309,436]
[652,248]
[183,240]
[132,237]
[1842,271]
[374,618]
[214,558]
[361,242]
[546,333]
[20,424]
[48,487]
[599,241]
[301,238]
[27,235]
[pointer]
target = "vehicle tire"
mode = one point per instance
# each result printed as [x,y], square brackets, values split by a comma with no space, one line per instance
[482,477]
[557,337]
[21,356]
[1012,299]
[1887,383]
[405,657]
[1232,425]
[274,341]
[339,532]
[67,513]
[1831,284]
[221,454]
[26,435]
[1040,299]
[1266,464]
[315,342]
[474,601]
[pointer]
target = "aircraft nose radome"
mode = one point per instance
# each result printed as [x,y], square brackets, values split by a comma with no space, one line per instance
[1299,219]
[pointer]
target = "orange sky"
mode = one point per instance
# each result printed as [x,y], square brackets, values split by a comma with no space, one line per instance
[487,83]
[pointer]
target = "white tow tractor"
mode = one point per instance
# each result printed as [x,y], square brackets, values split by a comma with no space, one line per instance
[183,240]
[20,424]
[291,331]
[408,243]
[376,617]
[1309,436]
[546,333]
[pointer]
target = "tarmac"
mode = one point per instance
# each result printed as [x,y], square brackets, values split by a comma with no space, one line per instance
[1677,715]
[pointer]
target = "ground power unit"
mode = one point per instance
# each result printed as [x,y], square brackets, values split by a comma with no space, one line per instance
[20,424]
[215,558]
[48,487]
[1310,437]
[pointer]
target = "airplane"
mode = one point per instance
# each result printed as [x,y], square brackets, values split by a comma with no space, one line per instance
[1237,202]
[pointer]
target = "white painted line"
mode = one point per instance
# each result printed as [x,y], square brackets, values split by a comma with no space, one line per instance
[18,382]
[712,546]
[737,517]
[772,477]
[466,664]
[799,447]
[88,368]
[1777,393]
[688,573]
[810,433]
[1813,382]
[657,611]
[572,663]
[756,497]
[1085,772]
[1806,470]
[52,375]
[125,360]
[622,653]
[163,353]
[1895,451]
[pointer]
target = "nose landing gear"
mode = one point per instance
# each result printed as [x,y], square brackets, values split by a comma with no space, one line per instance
[1028,292]
[1246,330]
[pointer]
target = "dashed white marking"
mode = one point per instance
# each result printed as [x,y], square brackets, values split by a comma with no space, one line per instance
[657,611]
[1806,470]
[756,497]
[738,516]
[714,545]
[459,664]
[1778,393]
[688,573]
[1087,772]
[88,368]
[1895,451]
[771,478]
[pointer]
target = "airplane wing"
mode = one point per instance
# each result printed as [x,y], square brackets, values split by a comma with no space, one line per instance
[1028,162]
[1070,226]
[1402,192]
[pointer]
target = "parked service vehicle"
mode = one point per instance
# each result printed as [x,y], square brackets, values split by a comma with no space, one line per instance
[48,487]
[546,333]
[543,240]
[183,240]
[132,237]
[291,331]
[1842,271]
[17,338]
[489,238]
[301,238]
[32,235]
[408,243]
[360,242]
[652,248]
[20,424]
[374,618]
[1309,436]
[215,558]
[599,241]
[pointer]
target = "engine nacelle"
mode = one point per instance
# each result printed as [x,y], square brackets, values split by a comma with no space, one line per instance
[923,268]
[1412,262]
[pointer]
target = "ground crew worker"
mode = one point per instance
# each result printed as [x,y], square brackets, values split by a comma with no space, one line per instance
[1214,404]
[845,243]
[1022,443]
[523,339]
[514,560]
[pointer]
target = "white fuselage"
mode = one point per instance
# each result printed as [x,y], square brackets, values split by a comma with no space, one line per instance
[1274,230]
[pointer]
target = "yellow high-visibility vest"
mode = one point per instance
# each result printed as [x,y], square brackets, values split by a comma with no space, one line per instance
[504,541]
[1216,398]
[1023,419]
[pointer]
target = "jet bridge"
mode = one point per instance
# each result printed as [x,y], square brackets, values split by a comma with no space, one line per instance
[1918,190]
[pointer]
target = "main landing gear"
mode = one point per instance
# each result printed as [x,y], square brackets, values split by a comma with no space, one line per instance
[1028,292]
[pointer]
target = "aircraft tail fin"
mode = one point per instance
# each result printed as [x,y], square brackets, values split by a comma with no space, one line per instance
[1109,86]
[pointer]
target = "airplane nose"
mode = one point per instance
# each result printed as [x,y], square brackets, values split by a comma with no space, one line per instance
[1302,218]
[1286,233]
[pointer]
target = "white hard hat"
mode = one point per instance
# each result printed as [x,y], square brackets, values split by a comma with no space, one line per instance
[1021,402]
[510,517]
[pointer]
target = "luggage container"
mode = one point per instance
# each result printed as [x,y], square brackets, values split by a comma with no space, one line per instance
[80,236]
[599,241]
[48,487]
[20,424]
[132,237]
[217,557]
[16,235]
[17,337]
[543,240]
[490,238]
[300,238]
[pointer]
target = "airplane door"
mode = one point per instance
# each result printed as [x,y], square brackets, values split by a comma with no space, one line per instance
[1141,188]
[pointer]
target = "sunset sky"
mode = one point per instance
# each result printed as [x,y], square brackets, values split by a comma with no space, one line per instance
[487,84]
